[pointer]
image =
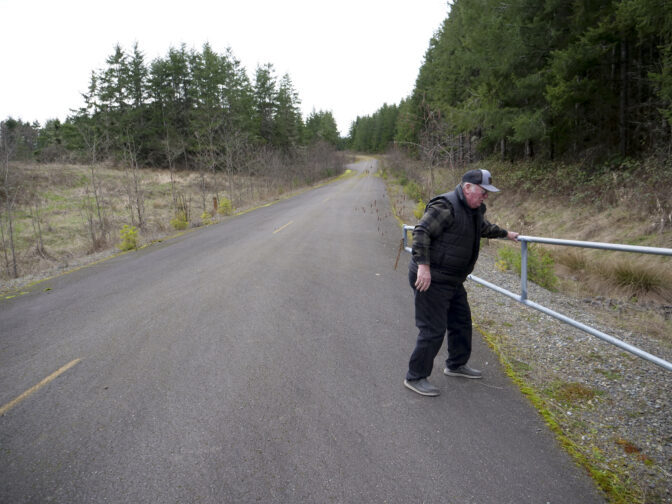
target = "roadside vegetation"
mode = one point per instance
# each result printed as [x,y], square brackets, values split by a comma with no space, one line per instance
[66,214]
[155,147]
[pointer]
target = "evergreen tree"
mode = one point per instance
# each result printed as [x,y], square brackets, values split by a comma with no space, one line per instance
[560,77]
[136,119]
[196,109]
[171,97]
[113,97]
[287,121]
[264,101]
[374,133]
[322,126]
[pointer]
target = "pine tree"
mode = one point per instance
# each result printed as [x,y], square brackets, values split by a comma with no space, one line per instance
[287,121]
[264,101]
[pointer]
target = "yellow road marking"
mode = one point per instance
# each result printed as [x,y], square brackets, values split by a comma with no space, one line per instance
[283,227]
[37,387]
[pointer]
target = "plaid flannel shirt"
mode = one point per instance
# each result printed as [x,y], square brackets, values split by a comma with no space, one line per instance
[439,216]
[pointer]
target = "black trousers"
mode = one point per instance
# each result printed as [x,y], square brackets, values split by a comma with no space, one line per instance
[441,308]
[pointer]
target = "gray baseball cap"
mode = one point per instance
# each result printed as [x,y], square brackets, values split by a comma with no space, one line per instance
[481,178]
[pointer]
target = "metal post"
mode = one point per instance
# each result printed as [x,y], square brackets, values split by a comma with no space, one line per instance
[523,271]
[407,228]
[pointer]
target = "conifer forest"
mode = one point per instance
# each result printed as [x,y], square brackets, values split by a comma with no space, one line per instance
[550,79]
[188,109]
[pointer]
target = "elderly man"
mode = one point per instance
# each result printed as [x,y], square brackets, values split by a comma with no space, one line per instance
[446,242]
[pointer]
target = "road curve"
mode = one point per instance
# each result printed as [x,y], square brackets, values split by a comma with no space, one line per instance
[258,359]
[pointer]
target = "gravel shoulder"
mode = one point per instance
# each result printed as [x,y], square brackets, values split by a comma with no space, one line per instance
[613,407]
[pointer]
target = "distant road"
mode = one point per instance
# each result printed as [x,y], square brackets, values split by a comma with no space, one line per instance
[260,359]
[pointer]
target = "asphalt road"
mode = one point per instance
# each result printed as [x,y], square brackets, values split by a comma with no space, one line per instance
[260,359]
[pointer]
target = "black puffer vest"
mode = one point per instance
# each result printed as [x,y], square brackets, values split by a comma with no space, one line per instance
[453,254]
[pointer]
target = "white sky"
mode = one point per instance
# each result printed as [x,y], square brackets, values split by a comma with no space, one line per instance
[347,56]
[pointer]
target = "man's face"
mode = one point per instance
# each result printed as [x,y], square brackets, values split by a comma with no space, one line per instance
[474,194]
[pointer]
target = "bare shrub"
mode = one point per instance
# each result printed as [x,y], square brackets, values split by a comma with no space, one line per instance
[134,185]
[53,154]
[323,161]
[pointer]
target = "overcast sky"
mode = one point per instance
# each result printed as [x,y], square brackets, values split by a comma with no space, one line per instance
[346,56]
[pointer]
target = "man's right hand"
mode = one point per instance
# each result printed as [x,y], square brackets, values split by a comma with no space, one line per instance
[424,278]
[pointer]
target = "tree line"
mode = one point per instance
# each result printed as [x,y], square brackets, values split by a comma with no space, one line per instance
[188,108]
[538,78]
[191,110]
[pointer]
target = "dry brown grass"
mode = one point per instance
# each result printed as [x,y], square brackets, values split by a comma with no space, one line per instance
[57,196]
[611,274]
[636,289]
[618,275]
[637,278]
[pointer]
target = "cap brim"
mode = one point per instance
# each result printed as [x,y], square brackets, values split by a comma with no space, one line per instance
[490,188]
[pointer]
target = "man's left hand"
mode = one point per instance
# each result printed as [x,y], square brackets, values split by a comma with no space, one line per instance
[512,235]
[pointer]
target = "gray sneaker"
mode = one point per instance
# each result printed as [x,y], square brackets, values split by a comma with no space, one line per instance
[463,371]
[422,387]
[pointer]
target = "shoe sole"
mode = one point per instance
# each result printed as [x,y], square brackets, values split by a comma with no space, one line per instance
[448,372]
[426,394]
